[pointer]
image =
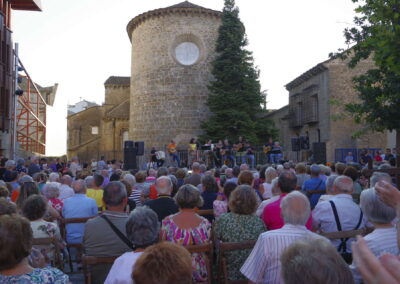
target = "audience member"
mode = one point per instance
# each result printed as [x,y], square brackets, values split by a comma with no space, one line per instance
[34,166]
[276,192]
[235,175]
[95,191]
[209,194]
[139,188]
[314,183]
[301,174]
[65,188]
[270,174]
[195,177]
[329,189]
[220,206]
[52,192]
[352,173]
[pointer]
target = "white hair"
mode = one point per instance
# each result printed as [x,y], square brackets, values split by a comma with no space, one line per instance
[268,172]
[54,177]
[89,181]
[164,190]
[130,179]
[329,183]
[51,190]
[343,184]
[379,176]
[275,187]
[10,164]
[295,208]
[374,209]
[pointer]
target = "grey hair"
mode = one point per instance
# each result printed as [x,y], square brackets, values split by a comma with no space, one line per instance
[25,179]
[188,196]
[20,162]
[10,163]
[269,171]
[384,166]
[295,208]
[329,183]
[143,227]
[378,176]
[114,193]
[343,184]
[79,186]
[244,167]
[54,177]
[51,190]
[274,187]
[164,190]
[173,179]
[89,181]
[374,209]
[130,179]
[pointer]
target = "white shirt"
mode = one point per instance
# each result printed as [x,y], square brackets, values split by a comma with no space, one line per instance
[325,197]
[260,209]
[65,192]
[348,212]
[267,190]
[380,241]
[121,271]
[263,264]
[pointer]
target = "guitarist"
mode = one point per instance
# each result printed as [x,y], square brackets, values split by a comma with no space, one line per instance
[267,150]
[227,153]
[240,150]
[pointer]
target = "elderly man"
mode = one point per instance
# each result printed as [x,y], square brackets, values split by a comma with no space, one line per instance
[272,212]
[54,177]
[164,205]
[340,213]
[78,206]
[65,188]
[10,167]
[263,265]
[235,175]
[94,189]
[329,188]
[74,167]
[106,235]
[195,177]
[314,183]
[34,166]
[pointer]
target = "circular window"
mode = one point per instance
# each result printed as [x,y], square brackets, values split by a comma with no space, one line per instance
[187,53]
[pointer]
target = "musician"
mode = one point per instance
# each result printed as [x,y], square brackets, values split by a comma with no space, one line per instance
[227,153]
[154,159]
[173,153]
[249,154]
[192,151]
[276,153]
[240,150]
[217,154]
[267,149]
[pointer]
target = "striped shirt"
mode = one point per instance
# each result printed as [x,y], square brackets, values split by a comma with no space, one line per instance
[380,241]
[264,265]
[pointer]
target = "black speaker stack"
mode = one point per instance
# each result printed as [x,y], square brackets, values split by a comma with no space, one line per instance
[131,150]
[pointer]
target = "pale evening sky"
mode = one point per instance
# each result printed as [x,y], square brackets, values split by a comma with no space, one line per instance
[80,43]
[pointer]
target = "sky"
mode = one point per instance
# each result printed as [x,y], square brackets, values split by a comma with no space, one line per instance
[80,43]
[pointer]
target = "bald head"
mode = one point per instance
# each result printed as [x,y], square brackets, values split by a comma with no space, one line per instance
[79,186]
[343,184]
[295,208]
[66,179]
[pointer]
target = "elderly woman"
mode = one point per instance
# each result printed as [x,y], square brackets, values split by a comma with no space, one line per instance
[15,247]
[266,187]
[221,206]
[247,178]
[34,209]
[384,238]
[52,191]
[142,229]
[329,188]
[188,228]
[239,225]
[139,188]
[276,192]
[301,174]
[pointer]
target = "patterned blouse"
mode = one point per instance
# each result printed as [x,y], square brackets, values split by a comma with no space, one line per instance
[38,275]
[233,227]
[193,236]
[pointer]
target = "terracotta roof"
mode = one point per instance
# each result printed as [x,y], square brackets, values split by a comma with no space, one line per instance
[118,80]
[120,111]
[183,7]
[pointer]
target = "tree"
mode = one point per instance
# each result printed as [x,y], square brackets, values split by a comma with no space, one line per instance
[235,98]
[376,35]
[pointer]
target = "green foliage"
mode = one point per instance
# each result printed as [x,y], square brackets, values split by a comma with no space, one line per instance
[235,97]
[376,35]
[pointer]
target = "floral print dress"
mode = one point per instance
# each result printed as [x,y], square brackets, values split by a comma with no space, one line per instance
[193,236]
[38,275]
[233,227]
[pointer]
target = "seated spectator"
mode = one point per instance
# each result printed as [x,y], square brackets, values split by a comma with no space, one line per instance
[41,180]
[13,176]
[188,228]
[54,177]
[142,229]
[209,194]
[195,177]
[266,187]
[112,240]
[314,183]
[15,246]
[247,178]
[130,179]
[384,238]
[21,166]
[180,175]
[340,167]
[272,212]
[299,259]
[4,193]
[220,206]
[65,188]
[10,166]
[151,176]
[52,192]
[235,175]
[164,205]
[34,166]
[139,188]
[301,174]
[78,206]
[258,181]
[131,204]
[26,190]
[34,210]
[7,207]
[263,265]
[276,192]
[329,189]
[151,192]
[352,173]
[239,225]
[95,191]
[340,213]
[154,266]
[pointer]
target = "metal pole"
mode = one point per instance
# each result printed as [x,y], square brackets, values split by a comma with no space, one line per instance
[14,135]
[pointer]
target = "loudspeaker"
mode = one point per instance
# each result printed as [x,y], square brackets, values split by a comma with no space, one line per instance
[304,142]
[319,152]
[139,145]
[128,144]
[295,144]
[129,158]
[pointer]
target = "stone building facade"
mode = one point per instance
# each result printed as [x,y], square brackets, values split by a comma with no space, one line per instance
[172,51]
[315,110]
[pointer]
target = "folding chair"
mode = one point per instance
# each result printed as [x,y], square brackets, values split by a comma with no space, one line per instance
[93,260]
[207,250]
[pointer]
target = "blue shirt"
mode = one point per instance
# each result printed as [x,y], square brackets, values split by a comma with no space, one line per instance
[77,206]
[315,183]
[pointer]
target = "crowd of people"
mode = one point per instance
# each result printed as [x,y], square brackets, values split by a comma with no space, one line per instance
[145,219]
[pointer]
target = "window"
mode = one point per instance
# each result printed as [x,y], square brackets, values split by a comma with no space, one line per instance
[187,53]
[95,130]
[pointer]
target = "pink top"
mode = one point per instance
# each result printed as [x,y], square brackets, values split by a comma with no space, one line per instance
[272,215]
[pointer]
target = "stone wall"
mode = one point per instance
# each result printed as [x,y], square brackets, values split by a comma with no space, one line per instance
[115,94]
[167,98]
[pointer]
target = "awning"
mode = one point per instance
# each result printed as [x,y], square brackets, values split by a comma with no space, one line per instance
[30,5]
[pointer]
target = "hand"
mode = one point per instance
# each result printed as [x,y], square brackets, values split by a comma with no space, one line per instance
[374,271]
[388,193]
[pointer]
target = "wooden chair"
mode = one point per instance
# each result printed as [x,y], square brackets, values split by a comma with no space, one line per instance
[224,247]
[344,234]
[56,261]
[206,212]
[310,193]
[93,260]
[207,250]
[78,246]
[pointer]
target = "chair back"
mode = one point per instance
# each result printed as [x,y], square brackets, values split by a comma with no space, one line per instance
[206,212]
[65,221]
[344,234]
[207,249]
[310,193]
[51,241]
[93,260]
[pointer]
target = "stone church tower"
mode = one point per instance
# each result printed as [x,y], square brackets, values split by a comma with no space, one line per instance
[172,51]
